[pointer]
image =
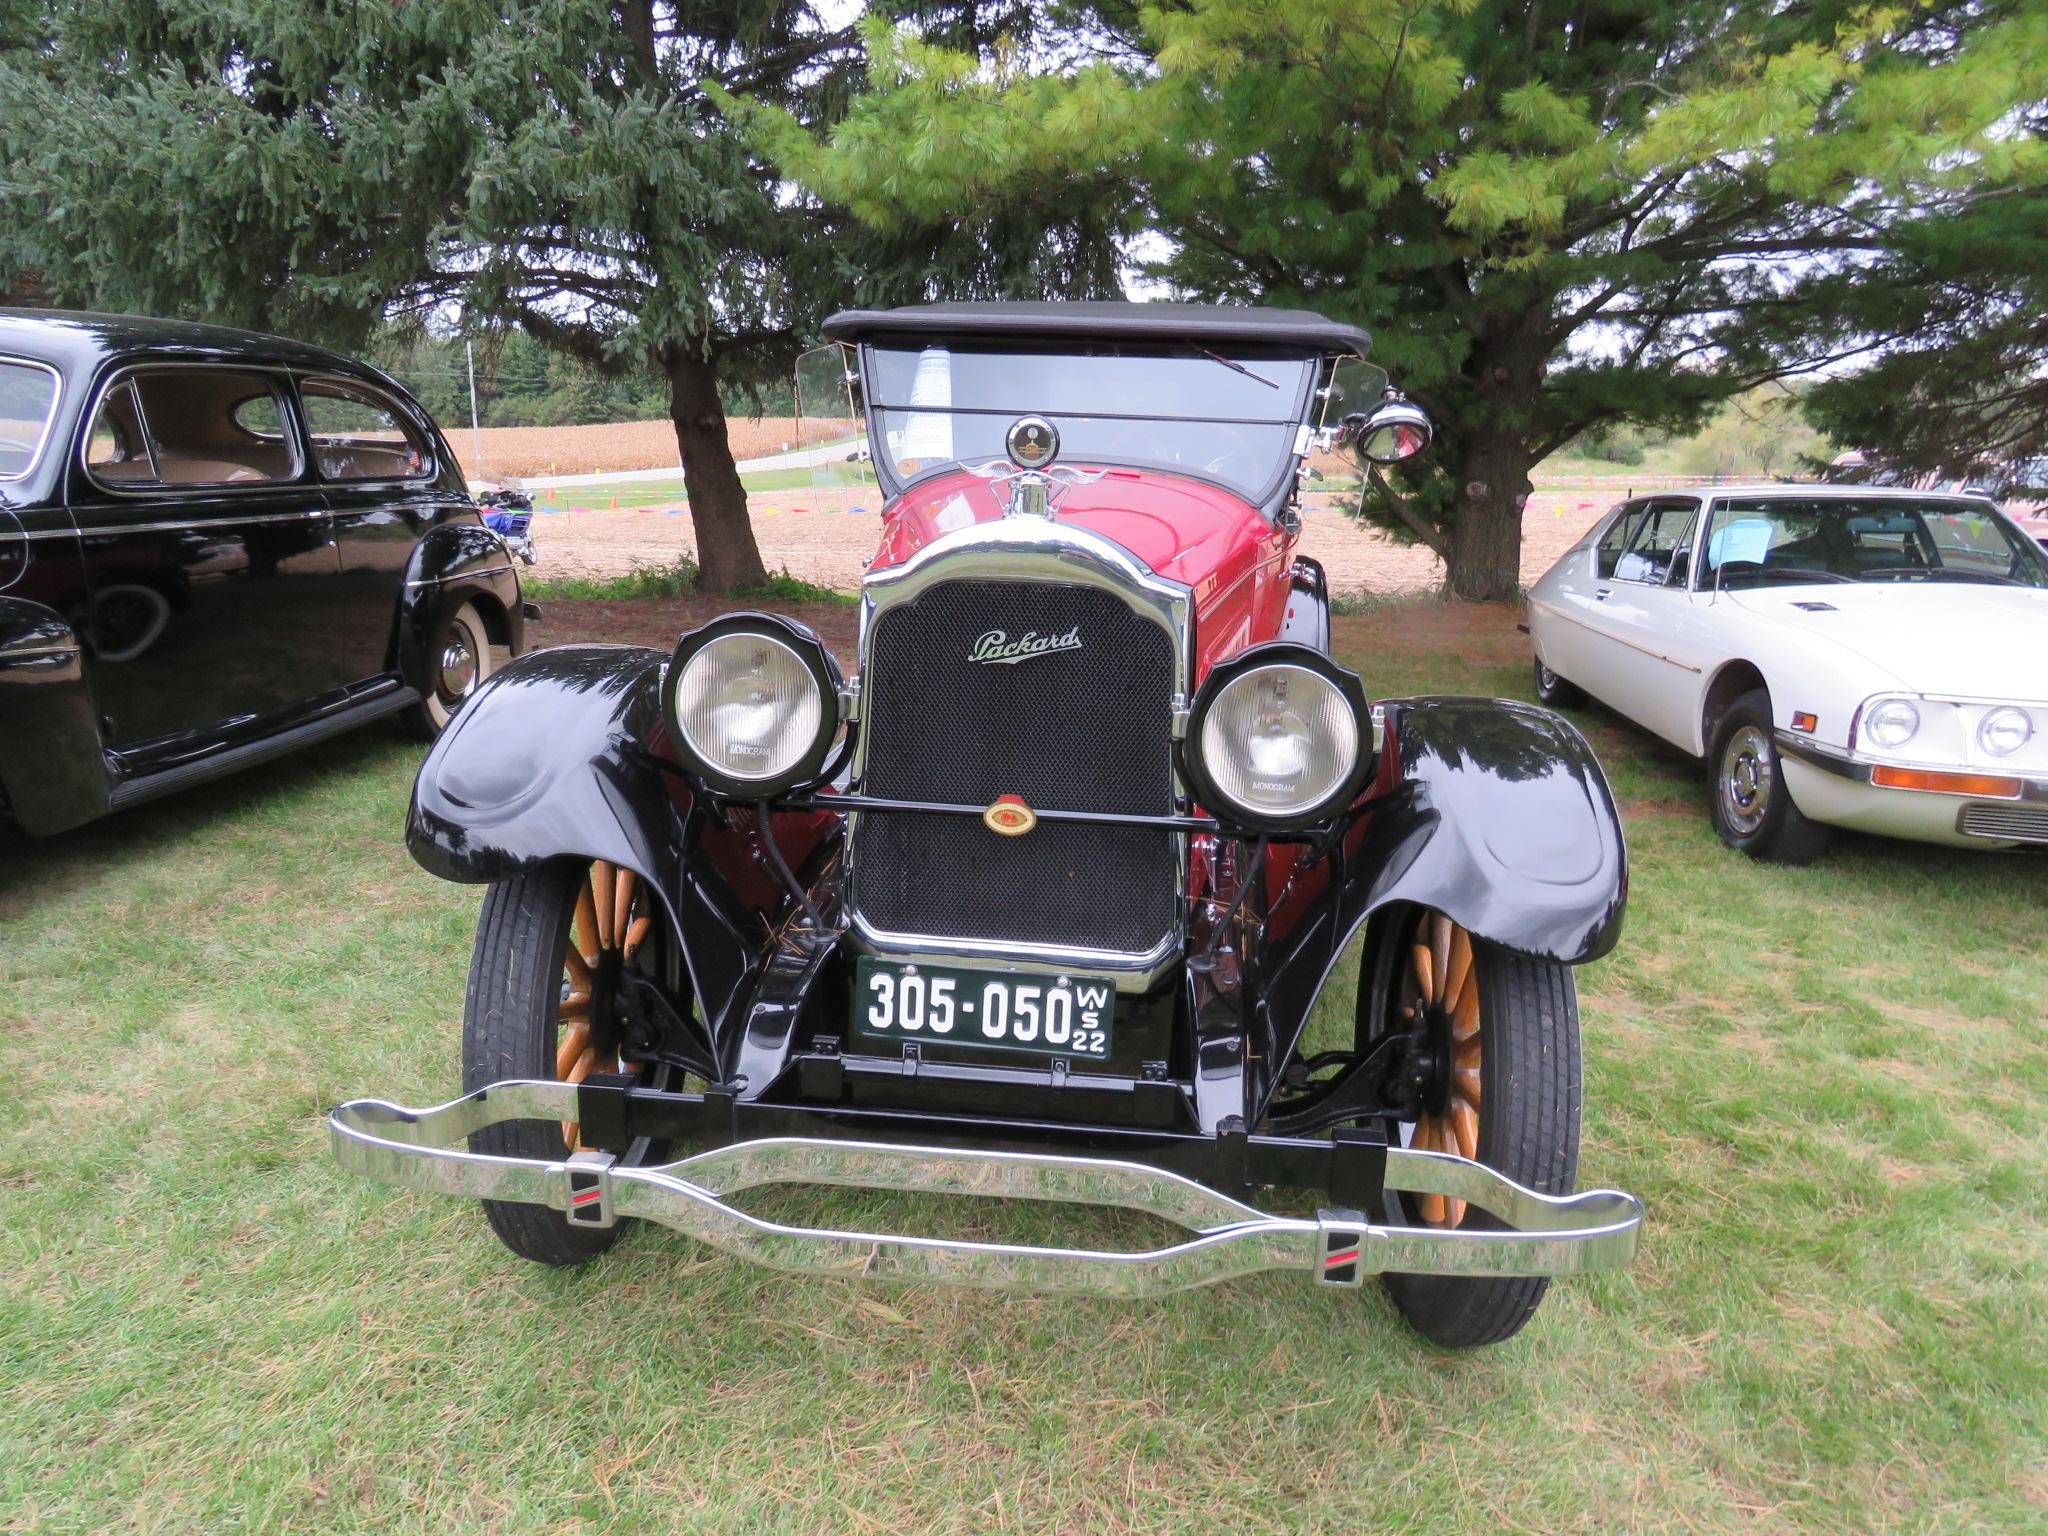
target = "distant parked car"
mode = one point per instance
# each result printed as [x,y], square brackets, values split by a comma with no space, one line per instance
[216,547]
[1845,655]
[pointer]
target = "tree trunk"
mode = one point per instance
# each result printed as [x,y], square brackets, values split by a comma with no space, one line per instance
[1486,535]
[728,560]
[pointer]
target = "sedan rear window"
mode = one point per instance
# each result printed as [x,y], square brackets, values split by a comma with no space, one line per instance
[360,434]
[190,426]
[28,394]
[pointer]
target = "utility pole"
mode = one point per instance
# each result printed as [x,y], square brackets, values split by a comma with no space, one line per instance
[476,437]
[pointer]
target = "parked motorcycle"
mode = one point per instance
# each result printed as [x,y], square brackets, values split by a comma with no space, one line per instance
[509,514]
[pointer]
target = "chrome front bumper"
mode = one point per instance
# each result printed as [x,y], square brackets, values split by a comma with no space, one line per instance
[419,1148]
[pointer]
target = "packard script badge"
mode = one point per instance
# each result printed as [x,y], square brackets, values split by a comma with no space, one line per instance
[1009,816]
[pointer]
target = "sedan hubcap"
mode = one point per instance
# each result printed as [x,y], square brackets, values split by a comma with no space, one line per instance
[458,666]
[1746,780]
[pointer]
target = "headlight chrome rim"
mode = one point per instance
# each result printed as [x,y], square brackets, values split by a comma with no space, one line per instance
[2005,713]
[1891,722]
[801,643]
[1233,811]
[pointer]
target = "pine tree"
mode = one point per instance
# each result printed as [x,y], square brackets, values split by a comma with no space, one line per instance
[562,166]
[1554,217]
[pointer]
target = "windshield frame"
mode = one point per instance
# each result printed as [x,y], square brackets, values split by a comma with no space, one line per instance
[1267,497]
[42,442]
[1704,580]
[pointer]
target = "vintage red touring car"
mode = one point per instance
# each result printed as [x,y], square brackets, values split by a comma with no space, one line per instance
[1037,904]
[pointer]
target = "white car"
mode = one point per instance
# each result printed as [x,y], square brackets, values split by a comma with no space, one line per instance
[1840,655]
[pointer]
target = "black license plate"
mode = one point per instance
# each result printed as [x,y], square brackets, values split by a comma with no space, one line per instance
[1066,1014]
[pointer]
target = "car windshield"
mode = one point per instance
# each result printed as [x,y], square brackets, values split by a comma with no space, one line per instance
[1228,417]
[1758,541]
[27,395]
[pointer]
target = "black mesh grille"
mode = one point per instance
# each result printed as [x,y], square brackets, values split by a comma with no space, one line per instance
[1085,729]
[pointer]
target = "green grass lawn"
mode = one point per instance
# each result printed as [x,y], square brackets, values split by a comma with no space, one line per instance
[1828,1084]
[631,494]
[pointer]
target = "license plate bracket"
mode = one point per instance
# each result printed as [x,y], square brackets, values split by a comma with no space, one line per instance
[1064,1013]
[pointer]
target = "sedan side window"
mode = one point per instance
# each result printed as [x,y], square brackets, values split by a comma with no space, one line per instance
[1661,551]
[359,433]
[191,426]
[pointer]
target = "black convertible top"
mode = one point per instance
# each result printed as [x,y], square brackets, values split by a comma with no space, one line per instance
[1201,324]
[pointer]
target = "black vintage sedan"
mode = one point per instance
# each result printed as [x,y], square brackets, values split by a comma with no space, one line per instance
[216,547]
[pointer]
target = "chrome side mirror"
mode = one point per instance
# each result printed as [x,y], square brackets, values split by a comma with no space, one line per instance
[1395,429]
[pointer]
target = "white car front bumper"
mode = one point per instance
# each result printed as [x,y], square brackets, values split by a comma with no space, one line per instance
[1832,787]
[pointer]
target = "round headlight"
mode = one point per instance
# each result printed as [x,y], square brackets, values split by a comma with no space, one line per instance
[2004,731]
[752,704]
[1891,723]
[1277,736]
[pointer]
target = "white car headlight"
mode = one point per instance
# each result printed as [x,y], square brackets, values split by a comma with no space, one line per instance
[752,704]
[1890,722]
[2005,730]
[1279,738]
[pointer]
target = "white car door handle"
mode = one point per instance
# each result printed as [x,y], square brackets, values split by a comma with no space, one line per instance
[1600,596]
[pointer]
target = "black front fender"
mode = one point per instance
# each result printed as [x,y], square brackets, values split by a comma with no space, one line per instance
[547,761]
[1494,813]
[1504,822]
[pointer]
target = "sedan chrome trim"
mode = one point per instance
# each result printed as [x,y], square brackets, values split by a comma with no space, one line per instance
[461,575]
[31,652]
[187,525]
[423,1149]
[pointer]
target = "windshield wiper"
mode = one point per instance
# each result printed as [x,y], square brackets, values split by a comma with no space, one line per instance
[1236,367]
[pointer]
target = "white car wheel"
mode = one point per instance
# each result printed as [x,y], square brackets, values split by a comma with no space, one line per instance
[1752,807]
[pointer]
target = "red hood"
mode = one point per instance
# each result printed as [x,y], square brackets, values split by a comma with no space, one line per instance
[1186,530]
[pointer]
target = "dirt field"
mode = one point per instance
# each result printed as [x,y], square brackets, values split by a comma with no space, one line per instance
[515,452]
[799,532]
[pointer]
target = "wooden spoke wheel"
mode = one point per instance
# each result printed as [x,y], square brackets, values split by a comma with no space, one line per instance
[1492,1075]
[605,933]
[1445,986]
[552,945]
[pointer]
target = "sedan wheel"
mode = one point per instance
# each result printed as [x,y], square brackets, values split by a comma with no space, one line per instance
[459,658]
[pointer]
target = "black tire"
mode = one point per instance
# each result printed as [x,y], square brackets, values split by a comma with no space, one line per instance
[456,659]
[511,1028]
[1553,692]
[1750,804]
[1527,1115]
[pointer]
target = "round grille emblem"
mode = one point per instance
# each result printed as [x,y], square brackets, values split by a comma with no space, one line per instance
[1032,442]
[1009,816]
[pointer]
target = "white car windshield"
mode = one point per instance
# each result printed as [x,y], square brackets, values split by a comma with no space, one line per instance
[1778,540]
[1228,418]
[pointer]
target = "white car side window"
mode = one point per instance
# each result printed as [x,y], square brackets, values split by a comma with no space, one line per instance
[1660,552]
[1614,543]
